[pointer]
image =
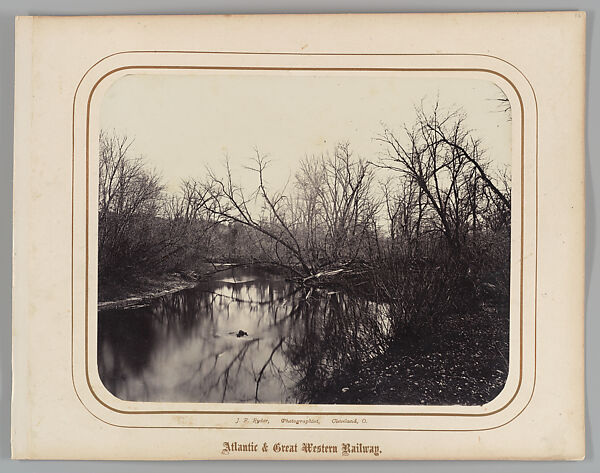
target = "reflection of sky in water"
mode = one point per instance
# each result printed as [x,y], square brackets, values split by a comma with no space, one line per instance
[184,348]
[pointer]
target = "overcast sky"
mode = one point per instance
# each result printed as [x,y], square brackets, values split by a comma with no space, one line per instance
[184,122]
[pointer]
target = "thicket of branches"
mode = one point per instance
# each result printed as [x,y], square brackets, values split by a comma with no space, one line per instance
[424,227]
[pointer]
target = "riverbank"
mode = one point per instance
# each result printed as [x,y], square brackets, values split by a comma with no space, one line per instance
[140,292]
[464,363]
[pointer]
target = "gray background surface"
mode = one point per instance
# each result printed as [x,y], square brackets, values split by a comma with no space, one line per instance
[10,8]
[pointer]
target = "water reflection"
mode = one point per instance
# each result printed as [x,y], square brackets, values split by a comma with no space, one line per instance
[185,348]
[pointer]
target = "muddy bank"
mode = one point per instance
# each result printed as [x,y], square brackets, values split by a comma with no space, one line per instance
[142,291]
[466,363]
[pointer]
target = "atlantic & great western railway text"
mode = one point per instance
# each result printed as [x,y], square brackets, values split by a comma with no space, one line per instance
[343,449]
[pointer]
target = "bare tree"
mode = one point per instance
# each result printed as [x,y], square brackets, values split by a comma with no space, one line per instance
[336,206]
[129,198]
[228,201]
[405,207]
[448,165]
[324,220]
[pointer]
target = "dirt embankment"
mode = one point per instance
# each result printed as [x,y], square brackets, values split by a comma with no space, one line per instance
[142,291]
[466,363]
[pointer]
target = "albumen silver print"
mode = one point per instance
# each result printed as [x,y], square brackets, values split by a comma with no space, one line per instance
[304,239]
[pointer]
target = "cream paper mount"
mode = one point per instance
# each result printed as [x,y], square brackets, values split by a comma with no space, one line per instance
[360,240]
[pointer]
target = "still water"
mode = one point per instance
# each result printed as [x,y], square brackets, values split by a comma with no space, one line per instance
[294,344]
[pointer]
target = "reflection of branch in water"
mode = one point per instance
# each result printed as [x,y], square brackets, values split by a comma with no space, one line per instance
[204,394]
[225,267]
[239,357]
[264,302]
[197,372]
[269,360]
[339,333]
[211,376]
[329,336]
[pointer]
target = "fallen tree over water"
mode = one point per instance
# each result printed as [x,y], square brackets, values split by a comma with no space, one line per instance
[431,238]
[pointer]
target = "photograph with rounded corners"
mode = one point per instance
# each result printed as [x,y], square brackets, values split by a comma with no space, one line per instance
[305,239]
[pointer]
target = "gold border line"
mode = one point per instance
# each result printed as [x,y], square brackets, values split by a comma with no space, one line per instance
[266,68]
